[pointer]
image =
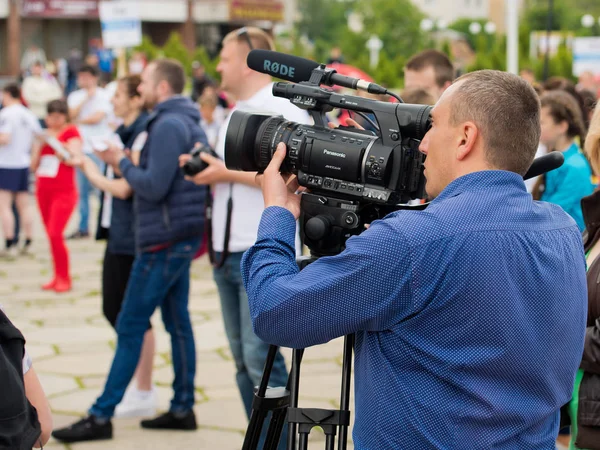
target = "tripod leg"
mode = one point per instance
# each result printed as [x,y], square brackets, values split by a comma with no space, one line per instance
[257,417]
[345,394]
[275,429]
[293,387]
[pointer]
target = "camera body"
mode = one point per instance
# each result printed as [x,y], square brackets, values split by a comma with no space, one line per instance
[343,162]
[196,165]
[354,176]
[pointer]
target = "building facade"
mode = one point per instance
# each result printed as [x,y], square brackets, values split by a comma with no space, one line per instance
[59,25]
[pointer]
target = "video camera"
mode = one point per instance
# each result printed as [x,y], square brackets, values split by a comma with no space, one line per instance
[348,171]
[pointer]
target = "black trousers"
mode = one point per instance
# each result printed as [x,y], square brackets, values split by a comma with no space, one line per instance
[115,275]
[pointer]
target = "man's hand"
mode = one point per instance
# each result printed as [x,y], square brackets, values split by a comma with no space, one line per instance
[216,172]
[278,191]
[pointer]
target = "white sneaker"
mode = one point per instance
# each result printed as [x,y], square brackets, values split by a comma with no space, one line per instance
[10,253]
[137,403]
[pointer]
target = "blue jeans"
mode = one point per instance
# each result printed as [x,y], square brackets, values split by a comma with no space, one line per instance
[162,279]
[249,351]
[85,188]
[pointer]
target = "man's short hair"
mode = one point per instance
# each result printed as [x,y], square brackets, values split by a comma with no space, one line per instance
[506,110]
[86,68]
[171,71]
[441,64]
[260,39]
[13,90]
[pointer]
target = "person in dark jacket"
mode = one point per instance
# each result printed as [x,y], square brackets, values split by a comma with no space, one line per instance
[584,408]
[169,221]
[115,224]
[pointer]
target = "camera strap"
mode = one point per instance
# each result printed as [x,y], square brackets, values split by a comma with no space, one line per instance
[209,214]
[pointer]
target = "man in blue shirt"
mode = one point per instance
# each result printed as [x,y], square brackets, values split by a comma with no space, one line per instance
[470,315]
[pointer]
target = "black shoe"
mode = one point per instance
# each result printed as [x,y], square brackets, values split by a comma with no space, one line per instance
[79,235]
[169,421]
[87,429]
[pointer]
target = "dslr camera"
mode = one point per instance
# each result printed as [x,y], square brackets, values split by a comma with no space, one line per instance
[354,176]
[196,165]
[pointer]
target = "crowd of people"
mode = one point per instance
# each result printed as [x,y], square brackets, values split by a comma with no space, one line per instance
[128,139]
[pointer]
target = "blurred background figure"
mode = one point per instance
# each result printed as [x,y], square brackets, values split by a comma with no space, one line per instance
[200,80]
[18,126]
[562,131]
[38,90]
[335,56]
[430,70]
[212,114]
[31,55]
[55,188]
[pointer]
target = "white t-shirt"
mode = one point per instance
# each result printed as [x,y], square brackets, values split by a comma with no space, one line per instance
[530,184]
[99,102]
[22,125]
[248,203]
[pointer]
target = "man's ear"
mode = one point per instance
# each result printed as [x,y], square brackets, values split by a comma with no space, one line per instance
[469,133]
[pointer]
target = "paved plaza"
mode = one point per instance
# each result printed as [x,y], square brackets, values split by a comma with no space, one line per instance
[72,344]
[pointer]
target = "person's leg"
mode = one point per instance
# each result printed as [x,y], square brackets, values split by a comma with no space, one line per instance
[84,187]
[176,317]
[229,297]
[143,372]
[7,216]
[44,201]
[62,206]
[22,202]
[17,224]
[145,291]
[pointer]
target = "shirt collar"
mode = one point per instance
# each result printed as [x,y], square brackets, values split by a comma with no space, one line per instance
[485,179]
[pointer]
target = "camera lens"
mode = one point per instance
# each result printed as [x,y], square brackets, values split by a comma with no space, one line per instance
[240,148]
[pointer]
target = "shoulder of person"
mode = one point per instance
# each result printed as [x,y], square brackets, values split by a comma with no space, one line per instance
[169,124]
[70,132]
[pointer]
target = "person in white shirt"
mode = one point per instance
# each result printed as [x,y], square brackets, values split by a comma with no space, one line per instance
[18,128]
[38,91]
[89,109]
[211,113]
[31,55]
[253,92]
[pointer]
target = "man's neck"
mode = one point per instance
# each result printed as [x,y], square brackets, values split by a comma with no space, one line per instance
[249,90]
[164,98]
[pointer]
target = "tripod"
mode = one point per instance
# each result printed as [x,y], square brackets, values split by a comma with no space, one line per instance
[300,420]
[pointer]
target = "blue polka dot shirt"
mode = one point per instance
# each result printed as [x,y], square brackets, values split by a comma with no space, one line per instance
[469,316]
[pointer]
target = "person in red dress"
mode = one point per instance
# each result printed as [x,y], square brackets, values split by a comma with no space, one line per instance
[56,190]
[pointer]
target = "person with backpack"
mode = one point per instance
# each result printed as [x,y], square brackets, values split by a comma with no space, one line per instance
[25,417]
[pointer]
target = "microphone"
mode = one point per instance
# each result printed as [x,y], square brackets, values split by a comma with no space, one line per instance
[543,164]
[296,69]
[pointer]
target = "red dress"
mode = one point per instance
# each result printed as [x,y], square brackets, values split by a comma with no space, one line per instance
[56,194]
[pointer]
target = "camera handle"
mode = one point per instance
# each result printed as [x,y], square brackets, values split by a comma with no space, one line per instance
[301,421]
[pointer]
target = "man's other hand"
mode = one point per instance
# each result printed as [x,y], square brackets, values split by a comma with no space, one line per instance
[277,190]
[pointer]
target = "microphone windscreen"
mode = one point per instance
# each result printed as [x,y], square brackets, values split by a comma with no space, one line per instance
[543,164]
[279,65]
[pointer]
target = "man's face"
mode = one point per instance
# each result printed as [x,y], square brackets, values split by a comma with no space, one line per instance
[147,87]
[36,70]
[231,66]
[439,146]
[423,79]
[86,80]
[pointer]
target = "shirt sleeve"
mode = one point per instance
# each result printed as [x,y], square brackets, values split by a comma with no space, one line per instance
[73,100]
[27,362]
[364,288]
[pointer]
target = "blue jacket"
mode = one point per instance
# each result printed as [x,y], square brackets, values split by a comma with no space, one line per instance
[121,239]
[167,208]
[568,184]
